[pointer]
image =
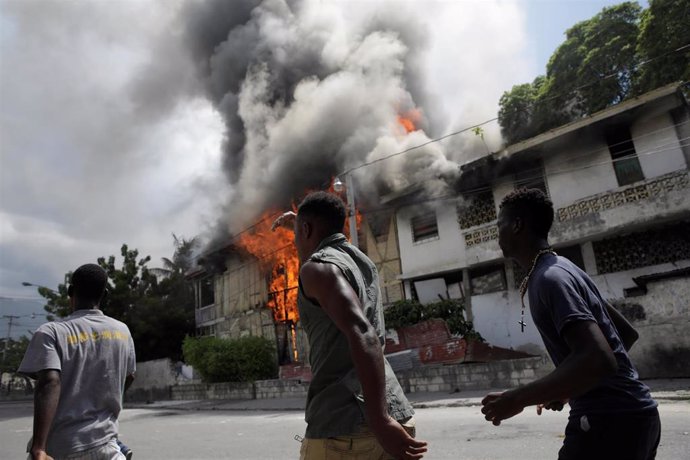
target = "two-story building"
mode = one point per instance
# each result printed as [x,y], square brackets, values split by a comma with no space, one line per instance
[620,187]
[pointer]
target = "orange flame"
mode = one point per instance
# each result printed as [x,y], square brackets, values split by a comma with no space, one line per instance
[277,256]
[410,119]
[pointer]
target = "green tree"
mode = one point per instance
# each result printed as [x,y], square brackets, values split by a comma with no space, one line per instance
[594,68]
[165,315]
[232,360]
[518,108]
[156,303]
[13,352]
[664,28]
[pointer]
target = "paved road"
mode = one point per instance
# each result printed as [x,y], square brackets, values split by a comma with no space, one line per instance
[453,433]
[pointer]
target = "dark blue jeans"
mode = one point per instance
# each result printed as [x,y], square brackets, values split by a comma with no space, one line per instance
[612,437]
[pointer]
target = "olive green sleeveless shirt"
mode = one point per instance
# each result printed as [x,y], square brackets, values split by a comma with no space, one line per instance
[335,402]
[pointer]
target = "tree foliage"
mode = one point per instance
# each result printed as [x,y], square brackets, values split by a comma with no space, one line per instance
[410,312]
[13,352]
[246,359]
[156,303]
[601,63]
[664,27]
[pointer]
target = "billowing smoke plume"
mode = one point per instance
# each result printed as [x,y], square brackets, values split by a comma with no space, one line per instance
[306,94]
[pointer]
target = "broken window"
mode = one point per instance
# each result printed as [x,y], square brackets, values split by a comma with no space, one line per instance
[424,227]
[484,280]
[206,287]
[625,161]
[380,223]
[531,175]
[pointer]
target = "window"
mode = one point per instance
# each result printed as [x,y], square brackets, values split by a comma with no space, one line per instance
[424,227]
[488,279]
[476,210]
[380,223]
[625,161]
[531,175]
[206,287]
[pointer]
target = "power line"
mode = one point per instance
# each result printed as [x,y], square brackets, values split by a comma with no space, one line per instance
[521,109]
[234,236]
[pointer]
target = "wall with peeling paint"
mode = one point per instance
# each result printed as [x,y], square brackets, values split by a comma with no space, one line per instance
[663,349]
[496,318]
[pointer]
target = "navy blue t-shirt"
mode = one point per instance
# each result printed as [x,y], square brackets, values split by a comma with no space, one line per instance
[559,294]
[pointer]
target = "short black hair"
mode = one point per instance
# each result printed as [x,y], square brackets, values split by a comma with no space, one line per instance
[326,207]
[88,283]
[532,205]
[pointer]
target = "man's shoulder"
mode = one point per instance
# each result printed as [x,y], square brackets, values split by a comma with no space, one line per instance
[115,322]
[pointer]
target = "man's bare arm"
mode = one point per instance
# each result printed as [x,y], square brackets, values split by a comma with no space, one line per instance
[46,398]
[128,381]
[626,331]
[325,284]
[591,360]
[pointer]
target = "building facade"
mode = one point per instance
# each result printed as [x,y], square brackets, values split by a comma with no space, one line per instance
[621,191]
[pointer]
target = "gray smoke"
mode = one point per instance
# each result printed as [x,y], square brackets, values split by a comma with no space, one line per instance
[306,94]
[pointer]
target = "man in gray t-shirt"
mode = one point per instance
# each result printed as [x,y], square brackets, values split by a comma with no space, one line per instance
[83,364]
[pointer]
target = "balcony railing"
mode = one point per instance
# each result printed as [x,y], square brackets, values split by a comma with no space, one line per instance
[677,180]
[205,315]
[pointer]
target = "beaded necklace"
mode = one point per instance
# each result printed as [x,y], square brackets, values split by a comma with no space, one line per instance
[525,283]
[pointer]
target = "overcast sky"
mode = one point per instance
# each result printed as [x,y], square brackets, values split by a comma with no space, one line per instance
[106,136]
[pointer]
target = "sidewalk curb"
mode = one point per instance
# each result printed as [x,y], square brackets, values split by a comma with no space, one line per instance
[246,405]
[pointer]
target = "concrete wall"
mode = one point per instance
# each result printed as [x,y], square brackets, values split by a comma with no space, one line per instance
[451,378]
[579,170]
[154,378]
[446,252]
[448,378]
[656,144]
[496,318]
[663,349]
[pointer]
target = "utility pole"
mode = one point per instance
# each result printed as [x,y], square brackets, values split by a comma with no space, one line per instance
[9,334]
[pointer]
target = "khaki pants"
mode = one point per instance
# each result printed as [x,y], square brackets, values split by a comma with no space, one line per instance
[360,446]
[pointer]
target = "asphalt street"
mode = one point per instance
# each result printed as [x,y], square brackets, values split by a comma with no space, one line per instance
[452,433]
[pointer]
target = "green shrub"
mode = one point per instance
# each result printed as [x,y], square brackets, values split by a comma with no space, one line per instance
[409,312]
[231,360]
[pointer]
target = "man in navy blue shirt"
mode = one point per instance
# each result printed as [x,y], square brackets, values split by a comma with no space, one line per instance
[612,414]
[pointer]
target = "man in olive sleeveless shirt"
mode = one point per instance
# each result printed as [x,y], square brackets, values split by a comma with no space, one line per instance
[355,406]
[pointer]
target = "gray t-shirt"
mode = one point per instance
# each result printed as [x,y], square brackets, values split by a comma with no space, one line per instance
[94,354]
[560,294]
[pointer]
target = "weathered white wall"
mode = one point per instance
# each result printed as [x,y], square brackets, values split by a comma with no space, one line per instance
[656,144]
[153,379]
[579,170]
[663,349]
[446,252]
[496,317]
[611,285]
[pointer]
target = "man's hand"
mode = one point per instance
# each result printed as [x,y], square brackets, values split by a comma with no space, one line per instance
[40,454]
[284,220]
[553,405]
[500,406]
[396,441]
